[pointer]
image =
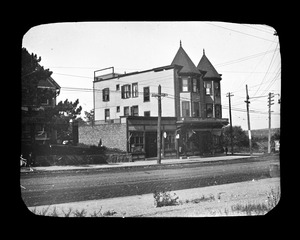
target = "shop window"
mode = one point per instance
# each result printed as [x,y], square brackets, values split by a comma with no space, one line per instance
[136,141]
[185,108]
[170,142]
[209,110]
[135,92]
[105,94]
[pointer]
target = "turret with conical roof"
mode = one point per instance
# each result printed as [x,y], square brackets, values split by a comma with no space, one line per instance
[207,69]
[182,59]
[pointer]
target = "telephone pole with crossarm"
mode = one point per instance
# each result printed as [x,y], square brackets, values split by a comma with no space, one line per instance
[159,95]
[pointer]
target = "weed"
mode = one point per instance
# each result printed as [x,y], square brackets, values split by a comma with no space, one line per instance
[250,208]
[162,199]
[109,213]
[273,198]
[54,212]
[97,214]
[68,213]
[211,197]
[81,213]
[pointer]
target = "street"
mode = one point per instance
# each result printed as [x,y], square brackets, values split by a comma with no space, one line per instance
[46,188]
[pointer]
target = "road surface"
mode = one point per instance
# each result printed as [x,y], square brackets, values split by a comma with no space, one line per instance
[46,188]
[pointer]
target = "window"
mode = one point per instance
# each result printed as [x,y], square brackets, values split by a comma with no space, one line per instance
[185,85]
[106,114]
[208,88]
[126,111]
[136,141]
[134,110]
[135,92]
[125,91]
[218,112]
[185,108]
[147,113]
[195,85]
[209,110]
[170,141]
[196,109]
[146,94]
[217,89]
[105,94]
[118,108]
[117,87]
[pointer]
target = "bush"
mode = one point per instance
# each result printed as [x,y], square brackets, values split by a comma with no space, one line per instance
[162,199]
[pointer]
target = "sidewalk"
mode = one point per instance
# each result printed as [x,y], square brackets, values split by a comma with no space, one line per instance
[218,200]
[139,163]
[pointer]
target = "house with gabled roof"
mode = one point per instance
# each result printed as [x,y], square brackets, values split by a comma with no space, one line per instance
[126,110]
[32,124]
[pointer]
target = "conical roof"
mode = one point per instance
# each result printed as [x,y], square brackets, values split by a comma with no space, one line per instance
[182,59]
[205,66]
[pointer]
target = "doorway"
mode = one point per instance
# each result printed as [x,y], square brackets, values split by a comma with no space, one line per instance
[151,144]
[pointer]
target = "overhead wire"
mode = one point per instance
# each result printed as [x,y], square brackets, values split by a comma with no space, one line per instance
[233,30]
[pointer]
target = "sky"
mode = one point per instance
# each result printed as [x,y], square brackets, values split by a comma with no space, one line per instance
[245,54]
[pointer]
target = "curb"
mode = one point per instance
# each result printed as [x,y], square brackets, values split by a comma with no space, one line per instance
[106,166]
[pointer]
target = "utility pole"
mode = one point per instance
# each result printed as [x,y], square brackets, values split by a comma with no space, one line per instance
[231,141]
[270,102]
[159,95]
[248,117]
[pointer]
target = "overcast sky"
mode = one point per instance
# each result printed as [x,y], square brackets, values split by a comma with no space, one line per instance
[242,53]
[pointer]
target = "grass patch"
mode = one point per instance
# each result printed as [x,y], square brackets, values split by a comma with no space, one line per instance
[203,198]
[259,208]
[73,213]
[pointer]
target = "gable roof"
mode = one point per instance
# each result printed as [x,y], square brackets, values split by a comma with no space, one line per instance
[207,68]
[182,59]
[48,83]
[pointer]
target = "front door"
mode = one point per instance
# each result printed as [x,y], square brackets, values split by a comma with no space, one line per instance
[151,144]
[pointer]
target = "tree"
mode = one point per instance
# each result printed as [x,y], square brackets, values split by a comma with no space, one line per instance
[31,74]
[240,138]
[62,116]
[89,116]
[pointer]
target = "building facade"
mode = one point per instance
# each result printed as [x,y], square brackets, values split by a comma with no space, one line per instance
[191,109]
[34,127]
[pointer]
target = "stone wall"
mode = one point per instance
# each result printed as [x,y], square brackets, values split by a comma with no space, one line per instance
[111,135]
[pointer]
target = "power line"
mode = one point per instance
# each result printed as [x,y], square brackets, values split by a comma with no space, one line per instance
[245,25]
[267,70]
[240,32]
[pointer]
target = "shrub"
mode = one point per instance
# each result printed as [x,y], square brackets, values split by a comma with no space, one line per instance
[165,199]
